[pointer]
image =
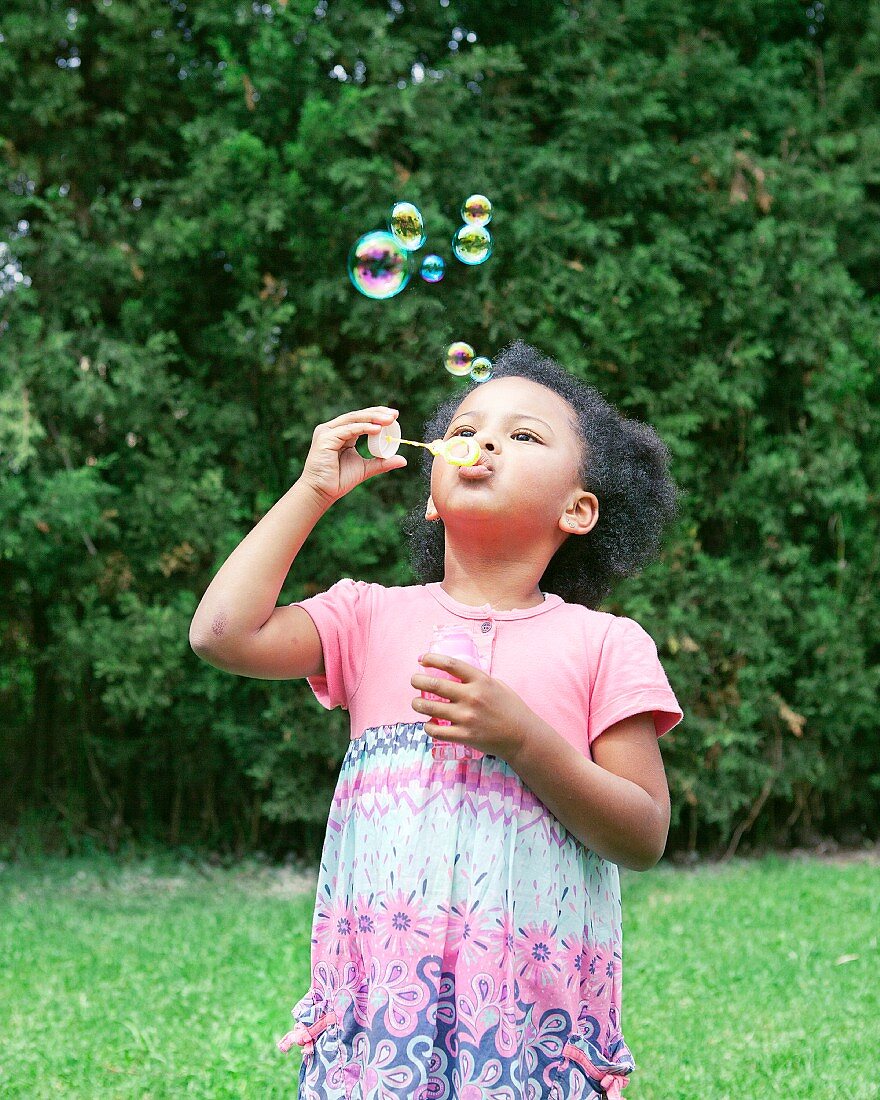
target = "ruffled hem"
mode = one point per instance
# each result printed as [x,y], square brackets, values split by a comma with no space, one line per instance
[312,1020]
[585,1071]
[611,1074]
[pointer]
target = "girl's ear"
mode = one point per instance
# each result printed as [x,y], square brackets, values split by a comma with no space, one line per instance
[431,512]
[581,516]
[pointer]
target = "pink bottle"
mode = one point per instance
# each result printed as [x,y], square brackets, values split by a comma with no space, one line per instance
[452,641]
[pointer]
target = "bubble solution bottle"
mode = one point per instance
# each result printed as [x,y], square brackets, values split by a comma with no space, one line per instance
[452,641]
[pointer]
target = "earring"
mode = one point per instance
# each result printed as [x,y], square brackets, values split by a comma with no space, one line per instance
[571,523]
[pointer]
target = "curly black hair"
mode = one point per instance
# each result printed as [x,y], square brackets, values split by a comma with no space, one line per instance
[623,462]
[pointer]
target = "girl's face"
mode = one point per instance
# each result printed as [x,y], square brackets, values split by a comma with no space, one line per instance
[528,473]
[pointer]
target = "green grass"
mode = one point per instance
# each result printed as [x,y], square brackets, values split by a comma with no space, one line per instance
[755,979]
[161,979]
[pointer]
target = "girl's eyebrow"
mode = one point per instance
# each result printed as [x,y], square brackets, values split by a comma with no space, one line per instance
[510,416]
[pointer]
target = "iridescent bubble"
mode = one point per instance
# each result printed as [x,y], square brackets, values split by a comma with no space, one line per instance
[481,369]
[472,244]
[433,268]
[476,210]
[406,223]
[378,266]
[459,357]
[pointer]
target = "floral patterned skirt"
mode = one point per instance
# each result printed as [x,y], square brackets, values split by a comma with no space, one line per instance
[465,946]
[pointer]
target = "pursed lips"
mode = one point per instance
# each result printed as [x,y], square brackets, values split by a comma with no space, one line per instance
[475,472]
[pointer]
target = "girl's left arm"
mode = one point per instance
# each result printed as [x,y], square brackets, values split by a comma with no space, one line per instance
[617,804]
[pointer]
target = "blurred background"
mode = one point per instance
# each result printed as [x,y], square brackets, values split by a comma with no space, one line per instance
[686,200]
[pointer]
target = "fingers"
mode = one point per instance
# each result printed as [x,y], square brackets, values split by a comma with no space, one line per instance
[383,465]
[377,414]
[442,733]
[346,432]
[462,670]
[342,432]
[448,689]
[434,709]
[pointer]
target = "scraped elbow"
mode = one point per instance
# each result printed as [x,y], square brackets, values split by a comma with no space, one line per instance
[204,642]
[199,641]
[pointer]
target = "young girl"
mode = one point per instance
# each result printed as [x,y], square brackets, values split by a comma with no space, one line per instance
[466,942]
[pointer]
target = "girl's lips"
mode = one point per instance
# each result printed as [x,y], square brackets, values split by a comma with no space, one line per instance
[474,472]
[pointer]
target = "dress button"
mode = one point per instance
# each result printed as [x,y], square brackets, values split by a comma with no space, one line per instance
[486,627]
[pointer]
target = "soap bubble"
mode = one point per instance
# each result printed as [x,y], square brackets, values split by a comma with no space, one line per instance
[433,268]
[481,369]
[407,225]
[378,266]
[476,210]
[459,357]
[472,244]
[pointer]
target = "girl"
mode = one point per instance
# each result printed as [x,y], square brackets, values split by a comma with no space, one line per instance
[466,942]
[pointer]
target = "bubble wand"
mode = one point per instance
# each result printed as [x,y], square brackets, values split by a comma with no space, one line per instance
[457,451]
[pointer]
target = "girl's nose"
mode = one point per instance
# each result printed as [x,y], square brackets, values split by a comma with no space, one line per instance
[487,441]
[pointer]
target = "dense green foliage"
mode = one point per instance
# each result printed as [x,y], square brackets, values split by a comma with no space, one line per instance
[687,198]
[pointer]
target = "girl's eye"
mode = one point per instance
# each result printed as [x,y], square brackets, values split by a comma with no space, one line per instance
[516,435]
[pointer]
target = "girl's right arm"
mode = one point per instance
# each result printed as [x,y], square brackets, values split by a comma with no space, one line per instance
[237,626]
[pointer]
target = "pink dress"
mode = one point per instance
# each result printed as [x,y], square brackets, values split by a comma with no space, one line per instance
[465,946]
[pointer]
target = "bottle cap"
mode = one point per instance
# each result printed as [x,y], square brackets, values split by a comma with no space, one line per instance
[455,641]
[385,443]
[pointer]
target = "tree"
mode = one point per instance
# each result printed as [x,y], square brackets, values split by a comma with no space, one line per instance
[686,202]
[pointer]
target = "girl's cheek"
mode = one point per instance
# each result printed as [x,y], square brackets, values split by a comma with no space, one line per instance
[437,473]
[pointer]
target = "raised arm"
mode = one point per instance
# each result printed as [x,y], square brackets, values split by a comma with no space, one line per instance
[237,626]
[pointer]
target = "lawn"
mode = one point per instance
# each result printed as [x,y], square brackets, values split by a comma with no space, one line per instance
[162,978]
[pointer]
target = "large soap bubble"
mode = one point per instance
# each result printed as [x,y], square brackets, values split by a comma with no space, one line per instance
[432,268]
[481,369]
[459,357]
[476,210]
[472,244]
[378,266]
[407,225]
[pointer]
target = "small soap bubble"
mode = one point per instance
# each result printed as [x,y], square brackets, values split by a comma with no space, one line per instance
[432,268]
[459,357]
[472,244]
[378,266]
[481,369]
[476,210]
[406,223]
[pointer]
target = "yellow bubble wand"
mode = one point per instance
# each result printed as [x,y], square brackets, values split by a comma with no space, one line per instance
[457,451]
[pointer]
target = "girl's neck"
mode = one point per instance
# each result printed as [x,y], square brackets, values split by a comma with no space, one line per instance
[503,590]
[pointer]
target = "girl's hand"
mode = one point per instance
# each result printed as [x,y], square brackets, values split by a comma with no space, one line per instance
[333,466]
[485,713]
